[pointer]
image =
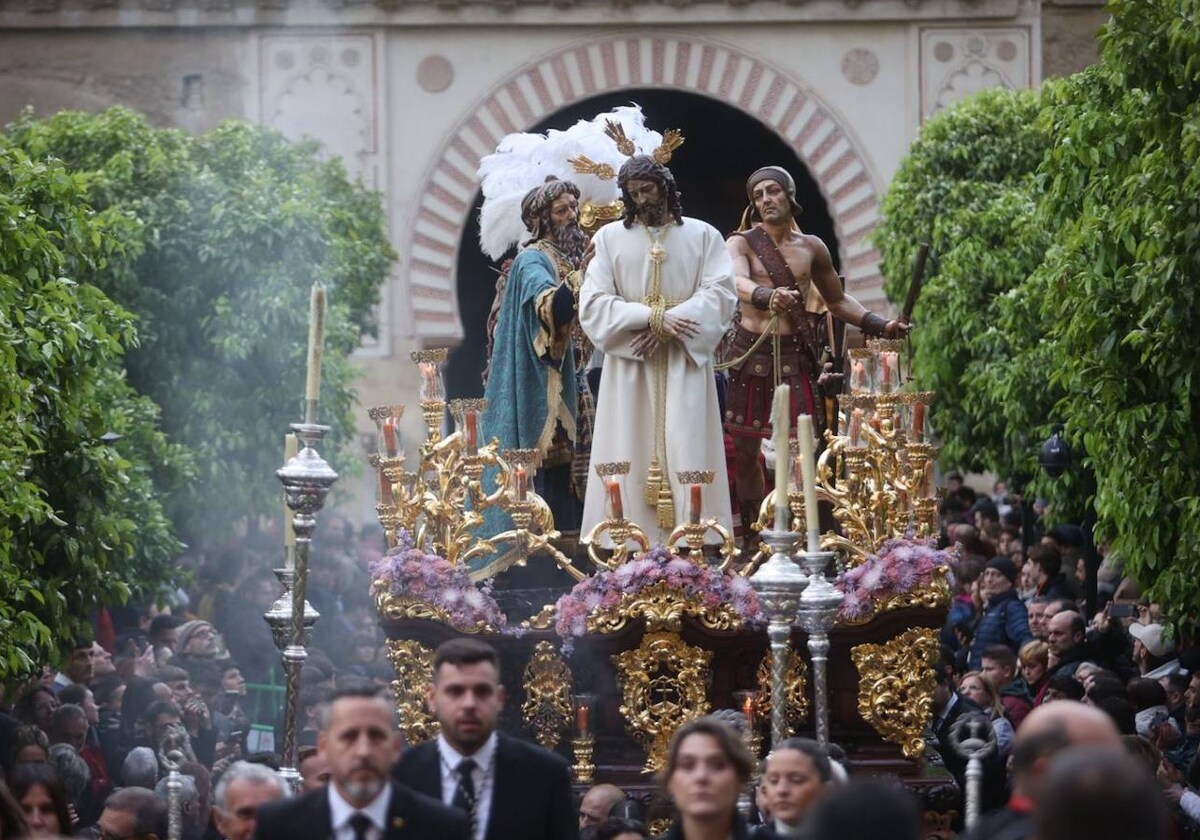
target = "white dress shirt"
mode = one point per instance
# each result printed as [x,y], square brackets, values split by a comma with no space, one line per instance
[482,776]
[341,811]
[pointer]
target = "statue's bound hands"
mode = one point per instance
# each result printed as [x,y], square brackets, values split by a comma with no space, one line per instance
[645,343]
[679,328]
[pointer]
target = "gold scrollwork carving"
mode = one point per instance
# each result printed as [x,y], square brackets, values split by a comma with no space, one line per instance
[934,596]
[413,664]
[662,605]
[895,686]
[547,706]
[795,689]
[395,607]
[663,684]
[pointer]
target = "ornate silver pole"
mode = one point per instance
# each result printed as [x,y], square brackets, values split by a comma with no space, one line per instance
[779,583]
[306,481]
[818,610]
[973,738]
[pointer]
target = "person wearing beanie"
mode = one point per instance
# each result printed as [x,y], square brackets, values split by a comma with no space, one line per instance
[1004,620]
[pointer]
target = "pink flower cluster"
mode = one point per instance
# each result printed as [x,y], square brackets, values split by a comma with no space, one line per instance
[408,572]
[900,567]
[606,589]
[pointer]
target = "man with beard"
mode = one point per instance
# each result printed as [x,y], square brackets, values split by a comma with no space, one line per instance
[360,803]
[509,789]
[657,298]
[783,276]
[532,390]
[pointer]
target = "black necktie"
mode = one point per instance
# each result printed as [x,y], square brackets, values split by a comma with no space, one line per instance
[360,822]
[464,794]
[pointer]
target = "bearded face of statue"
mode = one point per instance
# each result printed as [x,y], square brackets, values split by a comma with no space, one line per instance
[649,199]
[562,227]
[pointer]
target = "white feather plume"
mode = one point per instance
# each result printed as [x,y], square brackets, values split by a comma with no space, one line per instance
[522,162]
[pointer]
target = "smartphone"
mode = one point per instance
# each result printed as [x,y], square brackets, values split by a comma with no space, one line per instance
[1122,610]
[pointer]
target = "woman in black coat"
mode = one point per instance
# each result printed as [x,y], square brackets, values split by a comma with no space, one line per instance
[708,766]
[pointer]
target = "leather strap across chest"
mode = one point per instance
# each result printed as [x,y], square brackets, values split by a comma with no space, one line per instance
[769,255]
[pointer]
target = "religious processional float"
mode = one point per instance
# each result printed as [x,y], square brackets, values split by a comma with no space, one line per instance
[825,632]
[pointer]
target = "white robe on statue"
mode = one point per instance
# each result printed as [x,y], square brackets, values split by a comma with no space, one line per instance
[696,279]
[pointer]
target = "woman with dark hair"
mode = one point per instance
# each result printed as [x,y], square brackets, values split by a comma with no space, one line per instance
[43,800]
[12,820]
[707,766]
[616,829]
[35,706]
[796,774]
[29,745]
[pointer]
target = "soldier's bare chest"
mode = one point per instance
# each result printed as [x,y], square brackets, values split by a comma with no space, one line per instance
[798,257]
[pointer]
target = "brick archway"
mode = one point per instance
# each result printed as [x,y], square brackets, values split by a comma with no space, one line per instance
[780,102]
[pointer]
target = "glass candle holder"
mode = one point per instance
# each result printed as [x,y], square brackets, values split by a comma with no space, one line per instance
[466,420]
[584,705]
[747,700]
[523,466]
[429,366]
[387,426]
[862,370]
[695,481]
[613,475]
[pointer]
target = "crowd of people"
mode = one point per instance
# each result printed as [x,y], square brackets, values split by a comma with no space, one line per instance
[196,671]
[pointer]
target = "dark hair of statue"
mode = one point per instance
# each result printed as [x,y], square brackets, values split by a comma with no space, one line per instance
[644,168]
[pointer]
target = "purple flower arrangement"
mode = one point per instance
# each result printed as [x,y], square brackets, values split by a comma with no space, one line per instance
[408,572]
[901,566]
[605,590]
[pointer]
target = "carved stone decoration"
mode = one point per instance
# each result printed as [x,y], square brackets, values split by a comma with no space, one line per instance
[860,66]
[663,684]
[895,686]
[547,706]
[413,664]
[956,63]
[795,689]
[663,606]
[435,73]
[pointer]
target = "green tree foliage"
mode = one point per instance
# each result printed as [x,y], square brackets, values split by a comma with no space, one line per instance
[236,224]
[967,187]
[1118,297]
[80,521]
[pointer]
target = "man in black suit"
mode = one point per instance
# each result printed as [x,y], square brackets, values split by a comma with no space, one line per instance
[361,803]
[509,788]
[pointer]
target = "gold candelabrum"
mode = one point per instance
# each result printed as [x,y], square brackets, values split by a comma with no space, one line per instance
[876,469]
[459,476]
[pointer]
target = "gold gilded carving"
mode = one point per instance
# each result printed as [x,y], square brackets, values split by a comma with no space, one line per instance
[934,596]
[413,664]
[795,689]
[662,605]
[395,607]
[895,686]
[663,684]
[547,706]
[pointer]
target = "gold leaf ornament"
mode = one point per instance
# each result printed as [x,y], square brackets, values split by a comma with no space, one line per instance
[547,706]
[895,686]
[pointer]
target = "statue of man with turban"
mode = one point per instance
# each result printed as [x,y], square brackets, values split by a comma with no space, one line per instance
[780,271]
[657,298]
[531,386]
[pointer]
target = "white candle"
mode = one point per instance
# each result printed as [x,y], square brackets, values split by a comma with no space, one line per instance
[316,345]
[290,447]
[808,469]
[780,418]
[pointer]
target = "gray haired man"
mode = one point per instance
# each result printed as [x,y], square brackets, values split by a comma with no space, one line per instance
[240,791]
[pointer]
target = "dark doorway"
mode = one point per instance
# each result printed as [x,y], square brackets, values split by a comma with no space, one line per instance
[724,145]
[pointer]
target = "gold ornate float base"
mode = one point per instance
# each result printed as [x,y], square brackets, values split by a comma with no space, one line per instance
[547,706]
[663,684]
[896,681]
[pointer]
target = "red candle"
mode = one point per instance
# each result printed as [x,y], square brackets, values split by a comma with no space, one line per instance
[471,430]
[614,498]
[885,359]
[581,719]
[522,483]
[918,430]
[385,488]
[856,418]
[694,510]
[389,436]
[858,379]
